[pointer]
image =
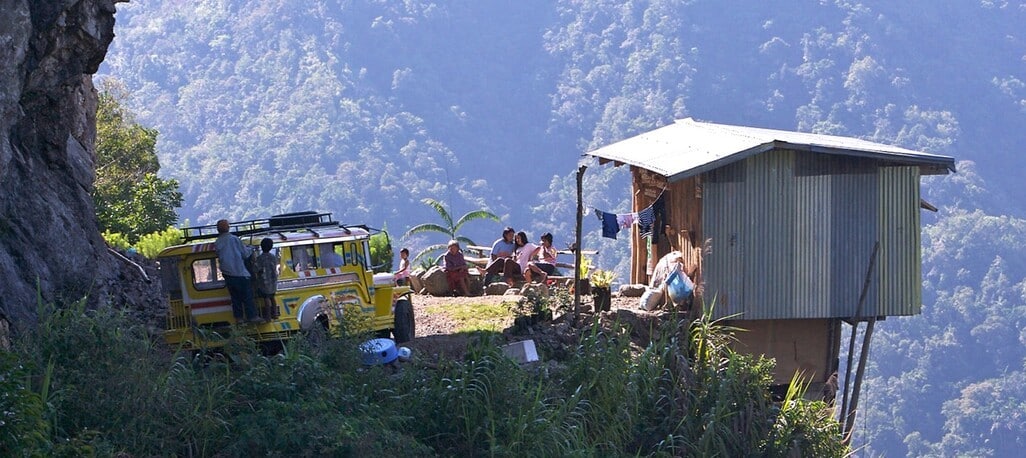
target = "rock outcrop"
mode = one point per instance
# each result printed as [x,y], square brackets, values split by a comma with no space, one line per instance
[48,232]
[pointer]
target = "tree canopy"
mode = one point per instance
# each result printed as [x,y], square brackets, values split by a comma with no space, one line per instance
[130,198]
[449,227]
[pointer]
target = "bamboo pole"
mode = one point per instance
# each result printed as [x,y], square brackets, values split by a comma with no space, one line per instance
[577,251]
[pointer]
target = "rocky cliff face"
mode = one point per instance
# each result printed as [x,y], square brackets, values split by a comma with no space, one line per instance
[48,231]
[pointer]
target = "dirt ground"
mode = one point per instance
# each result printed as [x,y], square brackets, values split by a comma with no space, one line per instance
[438,339]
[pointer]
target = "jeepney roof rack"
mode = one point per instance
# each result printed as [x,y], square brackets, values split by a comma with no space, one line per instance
[276,223]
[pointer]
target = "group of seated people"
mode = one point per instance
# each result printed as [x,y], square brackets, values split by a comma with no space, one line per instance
[512,258]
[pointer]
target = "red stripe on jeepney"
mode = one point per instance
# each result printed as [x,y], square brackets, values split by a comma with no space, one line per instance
[208,304]
[313,273]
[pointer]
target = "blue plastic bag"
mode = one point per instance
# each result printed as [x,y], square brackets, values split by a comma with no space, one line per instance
[679,286]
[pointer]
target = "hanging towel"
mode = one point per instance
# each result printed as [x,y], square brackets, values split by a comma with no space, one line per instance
[625,220]
[660,219]
[645,219]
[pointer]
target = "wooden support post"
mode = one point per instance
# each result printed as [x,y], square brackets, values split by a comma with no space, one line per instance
[849,421]
[854,329]
[577,252]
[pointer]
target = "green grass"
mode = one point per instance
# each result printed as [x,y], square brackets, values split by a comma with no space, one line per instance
[476,317]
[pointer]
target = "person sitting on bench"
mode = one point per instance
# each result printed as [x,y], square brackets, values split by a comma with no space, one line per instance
[546,256]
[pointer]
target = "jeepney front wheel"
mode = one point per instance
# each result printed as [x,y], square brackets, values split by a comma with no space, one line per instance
[405,327]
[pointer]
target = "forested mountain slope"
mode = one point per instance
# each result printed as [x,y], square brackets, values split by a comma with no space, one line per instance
[364,107]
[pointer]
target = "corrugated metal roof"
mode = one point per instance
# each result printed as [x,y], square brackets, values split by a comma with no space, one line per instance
[688,147]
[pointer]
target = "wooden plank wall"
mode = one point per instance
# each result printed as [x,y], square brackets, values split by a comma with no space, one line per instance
[683,229]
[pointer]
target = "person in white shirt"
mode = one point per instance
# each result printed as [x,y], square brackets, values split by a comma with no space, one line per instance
[526,252]
[546,254]
[403,274]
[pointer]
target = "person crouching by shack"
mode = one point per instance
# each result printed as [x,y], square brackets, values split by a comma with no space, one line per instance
[231,255]
[455,267]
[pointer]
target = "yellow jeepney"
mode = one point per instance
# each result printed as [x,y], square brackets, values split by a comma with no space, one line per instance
[325,278]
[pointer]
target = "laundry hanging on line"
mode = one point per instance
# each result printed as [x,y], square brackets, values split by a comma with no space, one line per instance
[652,216]
[610,223]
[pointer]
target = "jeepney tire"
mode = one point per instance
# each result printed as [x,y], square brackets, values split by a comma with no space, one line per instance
[318,333]
[405,328]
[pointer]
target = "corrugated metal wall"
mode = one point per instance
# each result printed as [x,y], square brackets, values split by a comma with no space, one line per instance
[900,262]
[792,235]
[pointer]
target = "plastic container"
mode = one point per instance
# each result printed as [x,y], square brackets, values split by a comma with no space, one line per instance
[405,354]
[679,286]
[378,351]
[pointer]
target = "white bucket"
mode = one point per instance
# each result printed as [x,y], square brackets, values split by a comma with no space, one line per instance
[384,278]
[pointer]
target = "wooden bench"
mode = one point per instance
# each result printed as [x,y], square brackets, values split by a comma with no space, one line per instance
[480,256]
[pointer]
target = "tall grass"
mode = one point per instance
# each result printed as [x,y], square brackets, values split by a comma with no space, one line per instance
[92,382]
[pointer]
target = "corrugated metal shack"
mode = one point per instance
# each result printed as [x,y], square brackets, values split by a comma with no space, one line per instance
[785,229]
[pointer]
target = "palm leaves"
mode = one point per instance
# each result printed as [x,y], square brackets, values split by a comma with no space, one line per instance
[447,227]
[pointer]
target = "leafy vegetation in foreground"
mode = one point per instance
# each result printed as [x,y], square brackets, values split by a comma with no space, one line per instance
[95,382]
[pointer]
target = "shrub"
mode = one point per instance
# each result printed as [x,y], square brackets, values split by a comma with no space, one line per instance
[117,240]
[23,429]
[150,245]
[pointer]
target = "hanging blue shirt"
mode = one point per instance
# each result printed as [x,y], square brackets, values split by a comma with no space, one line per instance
[610,227]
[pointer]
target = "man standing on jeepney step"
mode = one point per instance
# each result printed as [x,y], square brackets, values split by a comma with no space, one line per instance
[231,256]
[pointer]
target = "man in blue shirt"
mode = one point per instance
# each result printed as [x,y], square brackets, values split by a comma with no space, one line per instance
[329,258]
[231,255]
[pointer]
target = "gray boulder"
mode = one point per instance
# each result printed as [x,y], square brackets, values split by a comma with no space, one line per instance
[496,289]
[434,282]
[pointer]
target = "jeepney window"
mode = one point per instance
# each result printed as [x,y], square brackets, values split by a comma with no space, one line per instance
[170,278]
[331,255]
[302,258]
[367,264]
[206,275]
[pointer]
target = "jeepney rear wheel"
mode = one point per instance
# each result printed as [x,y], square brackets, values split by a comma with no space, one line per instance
[405,328]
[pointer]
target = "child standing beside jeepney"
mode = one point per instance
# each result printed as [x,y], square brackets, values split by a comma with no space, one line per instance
[403,274]
[265,279]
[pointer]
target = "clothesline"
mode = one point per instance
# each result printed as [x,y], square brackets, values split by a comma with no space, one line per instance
[646,218]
